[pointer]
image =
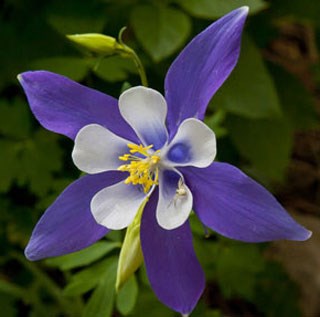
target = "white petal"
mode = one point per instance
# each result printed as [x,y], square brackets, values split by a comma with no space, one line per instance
[193,145]
[145,110]
[96,149]
[116,206]
[175,200]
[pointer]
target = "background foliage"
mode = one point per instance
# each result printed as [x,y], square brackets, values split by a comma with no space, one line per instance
[256,115]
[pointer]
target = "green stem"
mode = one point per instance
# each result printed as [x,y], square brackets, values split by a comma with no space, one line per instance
[140,68]
[132,54]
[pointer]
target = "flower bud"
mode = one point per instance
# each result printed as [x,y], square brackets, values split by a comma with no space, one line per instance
[131,257]
[96,43]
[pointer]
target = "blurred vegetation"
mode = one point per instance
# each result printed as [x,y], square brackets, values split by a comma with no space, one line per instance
[255,115]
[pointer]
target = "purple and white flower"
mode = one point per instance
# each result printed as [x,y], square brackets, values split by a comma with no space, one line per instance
[149,147]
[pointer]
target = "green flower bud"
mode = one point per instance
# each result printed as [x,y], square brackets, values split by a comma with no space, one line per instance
[131,257]
[97,43]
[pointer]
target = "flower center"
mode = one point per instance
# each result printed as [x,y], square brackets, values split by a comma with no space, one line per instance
[143,166]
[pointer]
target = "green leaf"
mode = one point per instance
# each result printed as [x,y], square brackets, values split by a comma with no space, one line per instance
[115,236]
[212,9]
[301,10]
[19,228]
[100,303]
[127,296]
[114,68]
[15,126]
[282,302]
[87,279]
[72,16]
[12,290]
[215,121]
[150,306]
[14,119]
[197,226]
[202,310]
[160,30]
[265,143]
[8,306]
[249,91]
[29,38]
[9,163]
[237,266]
[73,67]
[40,157]
[125,86]
[26,158]
[83,257]
[206,250]
[297,103]
[143,276]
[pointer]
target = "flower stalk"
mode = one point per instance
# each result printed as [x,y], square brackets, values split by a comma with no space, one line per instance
[133,55]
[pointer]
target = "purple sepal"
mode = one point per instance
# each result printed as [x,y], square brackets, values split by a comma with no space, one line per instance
[234,205]
[68,225]
[202,67]
[172,267]
[64,106]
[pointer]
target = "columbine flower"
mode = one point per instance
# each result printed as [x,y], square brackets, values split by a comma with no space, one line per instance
[158,148]
[151,161]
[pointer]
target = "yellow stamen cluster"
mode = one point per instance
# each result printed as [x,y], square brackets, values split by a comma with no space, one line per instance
[143,170]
